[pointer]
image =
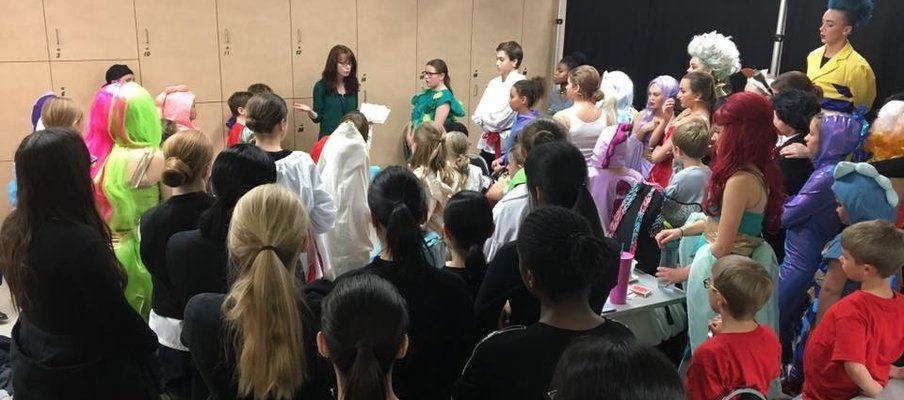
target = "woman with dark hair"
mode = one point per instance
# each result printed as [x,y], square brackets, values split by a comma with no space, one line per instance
[197,260]
[594,368]
[76,332]
[561,256]
[558,100]
[468,224]
[556,176]
[364,330]
[743,198]
[336,93]
[435,102]
[440,304]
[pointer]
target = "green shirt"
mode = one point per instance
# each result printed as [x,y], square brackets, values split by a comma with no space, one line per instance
[331,107]
[425,102]
[519,178]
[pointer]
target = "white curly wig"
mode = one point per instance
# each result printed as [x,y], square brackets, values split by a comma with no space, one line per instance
[718,52]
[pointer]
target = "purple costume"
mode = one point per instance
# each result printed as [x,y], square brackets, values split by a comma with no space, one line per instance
[608,180]
[811,221]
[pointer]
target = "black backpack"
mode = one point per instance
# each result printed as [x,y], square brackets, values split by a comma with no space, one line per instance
[636,223]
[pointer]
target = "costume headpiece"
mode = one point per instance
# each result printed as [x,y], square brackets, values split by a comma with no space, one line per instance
[718,52]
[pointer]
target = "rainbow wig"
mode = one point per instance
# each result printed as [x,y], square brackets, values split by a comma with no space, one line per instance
[859,12]
[174,104]
[886,137]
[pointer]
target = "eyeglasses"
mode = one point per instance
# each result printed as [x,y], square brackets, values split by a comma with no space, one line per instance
[430,73]
[708,284]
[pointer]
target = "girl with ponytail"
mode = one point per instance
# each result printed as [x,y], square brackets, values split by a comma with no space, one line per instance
[561,257]
[187,167]
[257,341]
[441,307]
[469,223]
[364,330]
[584,120]
[457,146]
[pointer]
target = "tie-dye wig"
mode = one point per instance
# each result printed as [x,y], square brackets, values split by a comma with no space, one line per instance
[174,104]
[619,85]
[886,138]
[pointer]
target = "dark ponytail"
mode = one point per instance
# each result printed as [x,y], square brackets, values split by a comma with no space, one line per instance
[533,89]
[564,255]
[560,171]
[398,205]
[469,223]
[442,68]
[364,322]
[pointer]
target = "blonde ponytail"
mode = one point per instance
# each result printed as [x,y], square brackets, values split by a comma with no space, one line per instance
[457,150]
[268,226]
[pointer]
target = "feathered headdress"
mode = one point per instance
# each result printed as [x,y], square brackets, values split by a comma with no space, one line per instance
[860,10]
[718,52]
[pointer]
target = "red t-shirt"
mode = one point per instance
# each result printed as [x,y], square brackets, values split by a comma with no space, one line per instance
[730,361]
[318,148]
[862,328]
[235,133]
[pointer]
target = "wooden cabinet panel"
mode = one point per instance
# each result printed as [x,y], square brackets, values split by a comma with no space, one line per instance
[210,121]
[538,38]
[435,39]
[255,45]
[178,45]
[317,26]
[22,33]
[387,56]
[494,22]
[90,29]
[302,128]
[22,83]
[79,80]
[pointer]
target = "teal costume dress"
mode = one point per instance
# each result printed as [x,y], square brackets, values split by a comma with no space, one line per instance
[425,102]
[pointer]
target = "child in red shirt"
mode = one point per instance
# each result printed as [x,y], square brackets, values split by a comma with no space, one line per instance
[852,347]
[741,353]
[237,106]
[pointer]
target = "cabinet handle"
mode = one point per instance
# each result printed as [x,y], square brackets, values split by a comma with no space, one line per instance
[475,73]
[524,71]
[226,34]
[365,96]
[147,36]
[57,36]
[298,33]
[363,77]
[475,90]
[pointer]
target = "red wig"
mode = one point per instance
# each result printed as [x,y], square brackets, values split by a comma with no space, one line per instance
[747,140]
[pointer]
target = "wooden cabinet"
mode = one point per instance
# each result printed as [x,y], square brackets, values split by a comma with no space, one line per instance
[494,22]
[538,38]
[317,26]
[302,128]
[22,33]
[387,51]
[255,45]
[442,33]
[177,43]
[22,83]
[211,121]
[90,29]
[79,80]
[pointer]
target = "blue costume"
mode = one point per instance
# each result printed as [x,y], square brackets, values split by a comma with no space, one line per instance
[810,221]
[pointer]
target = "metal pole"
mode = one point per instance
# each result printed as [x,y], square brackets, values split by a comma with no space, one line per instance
[779,38]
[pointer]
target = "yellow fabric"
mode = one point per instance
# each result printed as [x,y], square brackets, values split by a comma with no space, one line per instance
[846,68]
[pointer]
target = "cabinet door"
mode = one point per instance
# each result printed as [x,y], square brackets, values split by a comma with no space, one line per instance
[22,83]
[255,45]
[90,29]
[211,121]
[436,38]
[302,128]
[539,38]
[495,21]
[387,56]
[178,45]
[22,36]
[79,80]
[317,26]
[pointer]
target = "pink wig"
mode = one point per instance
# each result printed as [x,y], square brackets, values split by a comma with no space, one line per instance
[174,104]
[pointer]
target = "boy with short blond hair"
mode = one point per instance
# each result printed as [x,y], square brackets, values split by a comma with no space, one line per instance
[852,347]
[741,353]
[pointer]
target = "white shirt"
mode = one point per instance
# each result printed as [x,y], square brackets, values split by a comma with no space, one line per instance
[507,215]
[493,113]
[343,166]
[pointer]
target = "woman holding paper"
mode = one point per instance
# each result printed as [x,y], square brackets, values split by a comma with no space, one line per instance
[336,93]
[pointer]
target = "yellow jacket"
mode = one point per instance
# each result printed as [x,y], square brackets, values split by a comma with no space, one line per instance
[846,77]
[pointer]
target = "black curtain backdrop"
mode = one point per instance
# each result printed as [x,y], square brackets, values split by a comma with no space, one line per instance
[646,38]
